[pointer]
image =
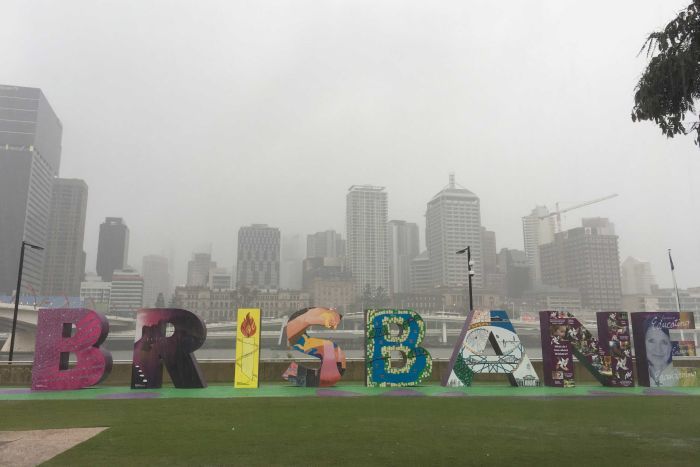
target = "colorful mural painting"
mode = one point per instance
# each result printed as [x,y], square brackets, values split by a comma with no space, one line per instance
[65,331]
[400,332]
[608,358]
[153,347]
[333,363]
[247,348]
[471,356]
[654,348]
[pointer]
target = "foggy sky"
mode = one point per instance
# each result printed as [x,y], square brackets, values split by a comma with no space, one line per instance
[191,120]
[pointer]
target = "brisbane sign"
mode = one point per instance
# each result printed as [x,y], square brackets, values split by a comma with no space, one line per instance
[488,343]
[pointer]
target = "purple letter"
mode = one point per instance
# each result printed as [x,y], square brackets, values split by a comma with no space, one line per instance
[608,358]
[152,348]
[55,342]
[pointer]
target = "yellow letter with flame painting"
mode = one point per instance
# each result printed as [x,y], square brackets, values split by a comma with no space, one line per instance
[247,348]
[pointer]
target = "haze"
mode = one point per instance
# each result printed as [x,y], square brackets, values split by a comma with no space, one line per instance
[190,121]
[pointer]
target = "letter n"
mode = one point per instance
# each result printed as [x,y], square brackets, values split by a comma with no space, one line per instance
[608,358]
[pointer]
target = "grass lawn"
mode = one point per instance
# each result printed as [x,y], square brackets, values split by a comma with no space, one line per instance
[589,431]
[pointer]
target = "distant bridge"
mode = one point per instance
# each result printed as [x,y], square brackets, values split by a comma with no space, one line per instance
[25,334]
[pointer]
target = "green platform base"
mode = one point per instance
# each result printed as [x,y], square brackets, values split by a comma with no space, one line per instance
[341,390]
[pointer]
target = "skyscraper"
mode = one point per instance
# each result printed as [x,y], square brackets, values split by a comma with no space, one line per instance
[586,258]
[156,279]
[258,264]
[367,212]
[328,244]
[637,277]
[30,156]
[453,222]
[292,256]
[536,232]
[64,259]
[126,296]
[198,269]
[112,247]
[403,245]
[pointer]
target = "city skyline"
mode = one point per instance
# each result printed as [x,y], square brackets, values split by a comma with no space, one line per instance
[365,118]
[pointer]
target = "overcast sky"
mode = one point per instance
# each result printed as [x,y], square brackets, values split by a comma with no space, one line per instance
[190,120]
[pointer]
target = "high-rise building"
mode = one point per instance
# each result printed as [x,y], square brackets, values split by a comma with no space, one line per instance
[403,245]
[198,269]
[421,278]
[367,213]
[588,259]
[30,157]
[517,274]
[112,247]
[292,255]
[95,293]
[637,277]
[258,264]
[156,279]
[220,279]
[453,222]
[64,259]
[489,251]
[328,244]
[126,296]
[538,229]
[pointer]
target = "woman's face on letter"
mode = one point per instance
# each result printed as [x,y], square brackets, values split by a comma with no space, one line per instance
[658,347]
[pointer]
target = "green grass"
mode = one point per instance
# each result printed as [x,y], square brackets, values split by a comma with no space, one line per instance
[373,430]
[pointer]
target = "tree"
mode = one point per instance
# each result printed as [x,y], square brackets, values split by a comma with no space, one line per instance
[670,85]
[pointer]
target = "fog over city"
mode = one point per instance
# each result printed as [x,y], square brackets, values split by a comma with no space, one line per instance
[190,121]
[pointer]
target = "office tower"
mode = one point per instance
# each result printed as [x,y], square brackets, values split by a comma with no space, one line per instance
[403,245]
[95,293]
[586,258]
[637,278]
[30,156]
[220,279]
[112,247]
[453,222]
[538,229]
[328,244]
[421,278]
[292,255]
[516,270]
[64,258]
[198,270]
[258,264]
[367,212]
[326,268]
[126,296]
[156,279]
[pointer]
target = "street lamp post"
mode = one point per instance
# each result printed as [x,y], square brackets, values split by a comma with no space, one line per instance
[17,294]
[470,264]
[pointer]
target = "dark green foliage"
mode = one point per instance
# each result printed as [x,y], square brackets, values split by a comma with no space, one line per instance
[667,90]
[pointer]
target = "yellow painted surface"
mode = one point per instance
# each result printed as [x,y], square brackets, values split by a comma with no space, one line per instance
[247,348]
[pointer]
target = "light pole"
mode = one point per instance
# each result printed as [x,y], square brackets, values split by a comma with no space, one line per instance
[17,294]
[470,264]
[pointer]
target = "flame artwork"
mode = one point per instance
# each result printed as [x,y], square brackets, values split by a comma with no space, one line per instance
[247,348]
[248,327]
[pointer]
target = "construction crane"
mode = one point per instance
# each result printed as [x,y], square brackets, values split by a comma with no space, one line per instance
[558,212]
